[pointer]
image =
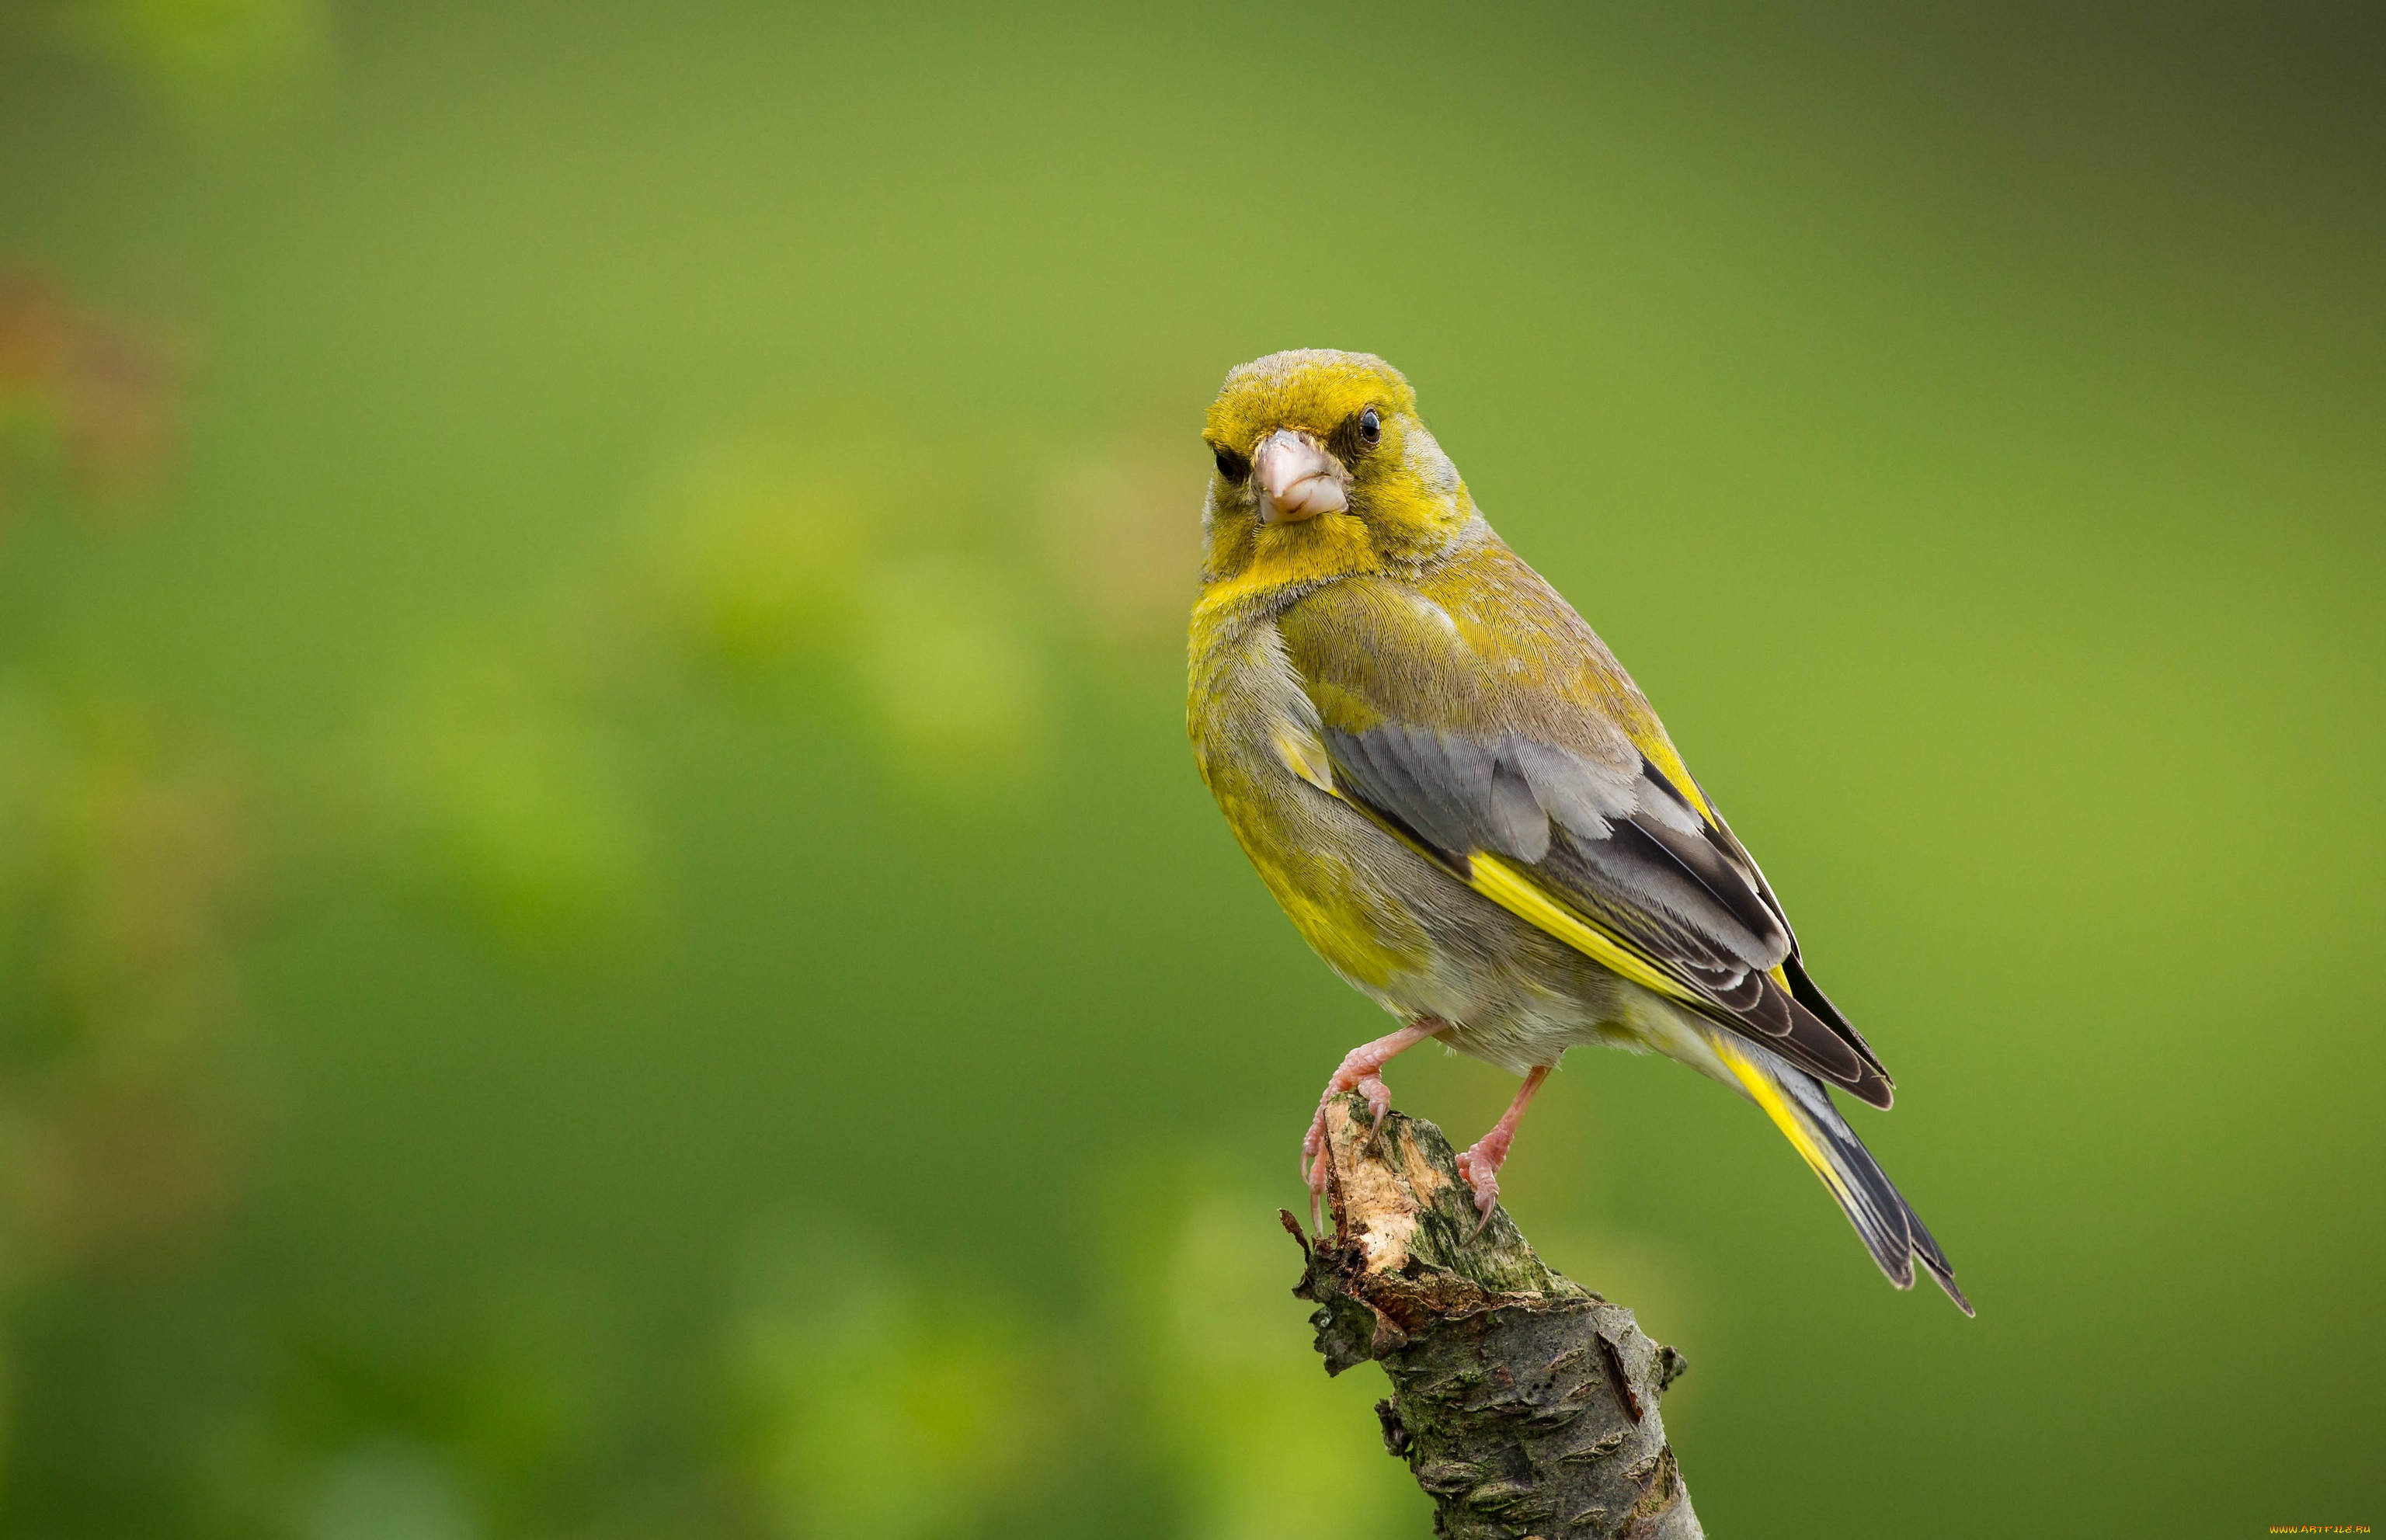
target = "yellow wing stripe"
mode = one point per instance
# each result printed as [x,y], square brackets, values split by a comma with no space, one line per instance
[1517,894]
[1764,1093]
[1305,757]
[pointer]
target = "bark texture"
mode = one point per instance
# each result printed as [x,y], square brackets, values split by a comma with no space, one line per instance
[1525,1405]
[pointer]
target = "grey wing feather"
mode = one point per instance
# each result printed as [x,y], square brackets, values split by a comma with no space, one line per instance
[1624,849]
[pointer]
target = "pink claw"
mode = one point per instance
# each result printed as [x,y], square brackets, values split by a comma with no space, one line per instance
[1480,1167]
[1361,1070]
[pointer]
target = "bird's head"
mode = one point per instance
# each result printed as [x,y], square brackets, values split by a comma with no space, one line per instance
[1323,469]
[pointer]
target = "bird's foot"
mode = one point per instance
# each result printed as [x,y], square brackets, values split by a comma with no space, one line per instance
[1361,1070]
[1314,1156]
[1481,1164]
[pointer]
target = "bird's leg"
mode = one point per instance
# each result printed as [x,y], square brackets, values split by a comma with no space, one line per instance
[1361,1071]
[1481,1164]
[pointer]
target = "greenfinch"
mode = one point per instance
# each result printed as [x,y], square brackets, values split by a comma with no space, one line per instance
[1464,804]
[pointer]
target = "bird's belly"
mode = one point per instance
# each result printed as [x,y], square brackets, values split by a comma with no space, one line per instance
[1511,994]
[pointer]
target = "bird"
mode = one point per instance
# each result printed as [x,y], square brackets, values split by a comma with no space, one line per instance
[1466,807]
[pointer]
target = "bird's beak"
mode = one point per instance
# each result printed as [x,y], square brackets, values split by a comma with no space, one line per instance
[1297,478]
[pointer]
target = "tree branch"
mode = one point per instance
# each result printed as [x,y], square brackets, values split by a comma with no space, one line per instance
[1525,1403]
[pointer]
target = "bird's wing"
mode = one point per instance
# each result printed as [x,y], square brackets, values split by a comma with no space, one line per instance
[1477,717]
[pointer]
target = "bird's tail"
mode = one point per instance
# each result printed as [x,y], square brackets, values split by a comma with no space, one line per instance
[1802,1109]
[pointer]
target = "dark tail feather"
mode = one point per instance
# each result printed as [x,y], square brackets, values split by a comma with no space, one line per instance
[1798,1102]
[1926,1250]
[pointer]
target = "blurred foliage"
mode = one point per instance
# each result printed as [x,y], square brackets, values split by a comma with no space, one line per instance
[124,856]
[125,860]
[633,686]
[774,578]
[1258,1445]
[84,397]
[210,61]
[863,1411]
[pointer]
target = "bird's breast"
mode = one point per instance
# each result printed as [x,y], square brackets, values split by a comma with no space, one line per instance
[1254,730]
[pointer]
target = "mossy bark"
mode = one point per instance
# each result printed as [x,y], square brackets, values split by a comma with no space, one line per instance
[1525,1405]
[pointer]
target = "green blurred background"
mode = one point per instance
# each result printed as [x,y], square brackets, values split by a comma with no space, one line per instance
[605,929]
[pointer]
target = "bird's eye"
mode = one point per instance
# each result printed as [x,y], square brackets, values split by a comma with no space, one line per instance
[1371,428]
[1230,465]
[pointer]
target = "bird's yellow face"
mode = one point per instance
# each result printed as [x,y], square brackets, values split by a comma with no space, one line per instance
[1323,471]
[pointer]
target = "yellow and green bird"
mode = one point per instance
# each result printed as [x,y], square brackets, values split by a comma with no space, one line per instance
[1465,805]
